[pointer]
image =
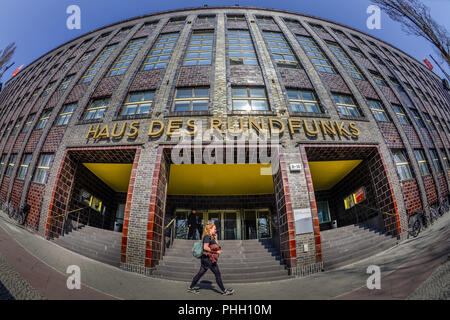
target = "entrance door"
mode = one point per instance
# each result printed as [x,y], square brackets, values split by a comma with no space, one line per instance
[257,224]
[227,223]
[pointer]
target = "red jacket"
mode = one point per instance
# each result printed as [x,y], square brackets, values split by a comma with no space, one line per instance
[213,255]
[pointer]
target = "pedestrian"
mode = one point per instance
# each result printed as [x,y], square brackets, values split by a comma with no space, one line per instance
[25,211]
[210,256]
[192,225]
[199,230]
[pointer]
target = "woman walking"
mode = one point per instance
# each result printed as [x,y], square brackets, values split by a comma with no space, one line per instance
[211,252]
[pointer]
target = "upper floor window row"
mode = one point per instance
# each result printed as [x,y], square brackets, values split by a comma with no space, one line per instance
[126,57]
[200,47]
[280,50]
[94,68]
[316,55]
[161,52]
[240,48]
[345,60]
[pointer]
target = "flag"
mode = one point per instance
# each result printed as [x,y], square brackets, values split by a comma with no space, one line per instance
[428,63]
[17,71]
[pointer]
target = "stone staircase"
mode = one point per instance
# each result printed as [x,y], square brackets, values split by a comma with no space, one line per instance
[98,244]
[345,245]
[242,261]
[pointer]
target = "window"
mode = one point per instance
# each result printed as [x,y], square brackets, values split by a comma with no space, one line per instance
[316,55]
[303,101]
[11,165]
[342,35]
[267,20]
[2,163]
[66,114]
[98,63]
[378,79]
[323,211]
[292,23]
[240,48]
[206,19]
[422,162]
[345,60]
[65,83]
[199,51]
[355,198]
[346,106]
[176,21]
[48,89]
[124,31]
[378,111]
[417,118]
[400,114]
[191,99]
[96,109]
[235,18]
[249,99]
[138,103]
[24,166]
[86,56]
[162,50]
[43,120]
[66,64]
[445,159]
[402,165]
[28,123]
[280,50]
[16,127]
[317,27]
[126,57]
[356,52]
[435,159]
[45,161]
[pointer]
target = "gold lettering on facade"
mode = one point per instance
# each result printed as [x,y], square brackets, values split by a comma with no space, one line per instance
[103,134]
[134,129]
[355,131]
[121,132]
[173,127]
[294,124]
[93,131]
[310,132]
[277,129]
[327,128]
[152,133]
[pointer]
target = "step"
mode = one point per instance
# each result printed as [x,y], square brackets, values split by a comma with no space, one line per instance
[225,277]
[89,251]
[352,241]
[212,280]
[112,260]
[342,235]
[339,254]
[357,255]
[221,260]
[225,254]
[230,268]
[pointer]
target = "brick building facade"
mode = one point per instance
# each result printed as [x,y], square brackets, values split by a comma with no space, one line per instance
[68,108]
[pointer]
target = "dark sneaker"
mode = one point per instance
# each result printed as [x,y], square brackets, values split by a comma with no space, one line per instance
[193,290]
[228,292]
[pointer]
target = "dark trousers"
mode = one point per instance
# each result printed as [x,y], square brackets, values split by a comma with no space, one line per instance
[205,265]
[191,234]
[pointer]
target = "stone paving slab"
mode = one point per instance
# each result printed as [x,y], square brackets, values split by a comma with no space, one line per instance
[436,287]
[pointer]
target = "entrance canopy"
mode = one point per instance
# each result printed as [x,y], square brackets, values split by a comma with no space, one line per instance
[220,179]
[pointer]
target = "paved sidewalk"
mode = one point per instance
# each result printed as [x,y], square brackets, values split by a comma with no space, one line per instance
[402,271]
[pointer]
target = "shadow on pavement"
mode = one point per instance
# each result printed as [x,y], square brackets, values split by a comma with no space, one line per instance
[4,293]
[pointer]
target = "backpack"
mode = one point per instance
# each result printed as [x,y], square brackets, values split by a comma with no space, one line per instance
[197,249]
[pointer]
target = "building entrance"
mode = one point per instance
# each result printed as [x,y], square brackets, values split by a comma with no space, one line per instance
[232,224]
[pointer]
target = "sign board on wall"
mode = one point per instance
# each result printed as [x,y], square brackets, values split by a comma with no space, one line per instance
[303,221]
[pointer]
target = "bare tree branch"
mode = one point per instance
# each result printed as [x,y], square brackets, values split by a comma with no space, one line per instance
[416,19]
[5,56]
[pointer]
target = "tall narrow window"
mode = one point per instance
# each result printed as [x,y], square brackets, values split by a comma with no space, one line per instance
[240,48]
[11,164]
[28,122]
[44,164]
[44,119]
[417,118]
[345,60]
[303,101]
[378,79]
[435,159]
[206,19]
[422,162]
[400,114]
[280,50]
[66,114]
[378,111]
[126,58]
[95,67]
[48,89]
[346,106]
[96,109]
[249,99]
[191,99]
[138,103]
[66,81]
[402,165]
[199,51]
[2,163]
[318,58]
[162,50]
[24,166]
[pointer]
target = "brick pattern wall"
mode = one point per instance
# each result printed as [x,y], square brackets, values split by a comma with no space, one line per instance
[430,189]
[334,82]
[242,75]
[391,135]
[77,92]
[411,195]
[16,193]
[295,78]
[4,188]
[34,199]
[32,141]
[412,136]
[366,89]
[107,86]
[194,76]
[53,139]
[443,183]
[147,80]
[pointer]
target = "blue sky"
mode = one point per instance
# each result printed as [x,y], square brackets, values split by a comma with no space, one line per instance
[38,26]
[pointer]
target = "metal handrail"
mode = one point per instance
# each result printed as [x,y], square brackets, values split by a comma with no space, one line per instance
[168,225]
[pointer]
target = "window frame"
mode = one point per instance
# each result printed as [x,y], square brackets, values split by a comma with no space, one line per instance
[346,106]
[192,99]
[103,106]
[138,104]
[422,162]
[402,164]
[159,42]
[302,101]
[42,169]
[66,115]
[249,99]
[378,111]
[42,122]
[198,59]
[23,169]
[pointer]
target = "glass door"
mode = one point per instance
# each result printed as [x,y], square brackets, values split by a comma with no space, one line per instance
[257,224]
[216,218]
[249,231]
[263,223]
[181,228]
[230,225]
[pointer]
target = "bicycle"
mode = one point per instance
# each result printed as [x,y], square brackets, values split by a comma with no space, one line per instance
[415,226]
[444,207]
[17,215]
